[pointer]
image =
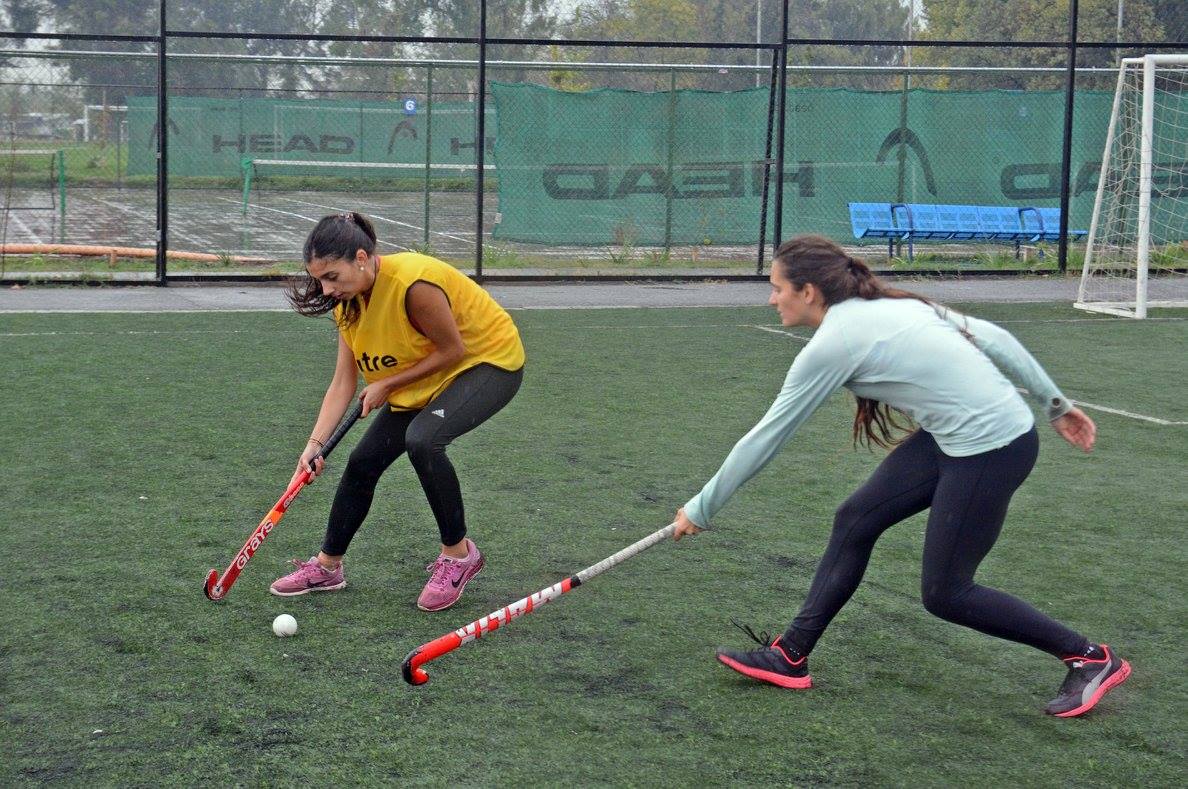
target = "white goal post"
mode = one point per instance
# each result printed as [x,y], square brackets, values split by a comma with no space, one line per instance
[1136,256]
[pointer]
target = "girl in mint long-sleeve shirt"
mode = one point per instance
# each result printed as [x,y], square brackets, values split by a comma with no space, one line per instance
[976,442]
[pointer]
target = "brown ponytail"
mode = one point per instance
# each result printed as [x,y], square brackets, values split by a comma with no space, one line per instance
[839,276]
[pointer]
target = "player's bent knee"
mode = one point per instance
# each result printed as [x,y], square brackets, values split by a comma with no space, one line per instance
[943,602]
[423,450]
[848,516]
[361,470]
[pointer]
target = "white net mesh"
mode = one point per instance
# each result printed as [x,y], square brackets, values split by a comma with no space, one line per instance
[1137,255]
[30,178]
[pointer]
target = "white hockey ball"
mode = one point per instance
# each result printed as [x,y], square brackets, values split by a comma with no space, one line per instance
[284,625]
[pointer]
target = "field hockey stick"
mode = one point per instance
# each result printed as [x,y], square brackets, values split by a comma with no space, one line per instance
[415,675]
[216,587]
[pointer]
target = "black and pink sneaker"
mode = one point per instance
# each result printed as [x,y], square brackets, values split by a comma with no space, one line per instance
[778,664]
[1089,678]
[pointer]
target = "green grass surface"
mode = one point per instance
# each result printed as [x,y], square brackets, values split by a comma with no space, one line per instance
[141,450]
[96,268]
[91,164]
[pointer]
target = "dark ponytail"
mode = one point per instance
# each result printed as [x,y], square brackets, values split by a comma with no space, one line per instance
[839,276]
[335,237]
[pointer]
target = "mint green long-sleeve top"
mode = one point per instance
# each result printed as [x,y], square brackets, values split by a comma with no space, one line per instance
[943,369]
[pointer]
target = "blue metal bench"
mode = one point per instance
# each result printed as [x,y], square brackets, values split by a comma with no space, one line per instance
[911,221]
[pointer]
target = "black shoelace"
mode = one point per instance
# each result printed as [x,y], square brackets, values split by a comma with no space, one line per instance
[763,638]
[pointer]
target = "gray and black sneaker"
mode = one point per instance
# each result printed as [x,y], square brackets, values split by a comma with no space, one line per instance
[1089,678]
[778,664]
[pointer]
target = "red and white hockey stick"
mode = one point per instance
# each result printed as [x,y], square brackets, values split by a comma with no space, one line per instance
[216,587]
[415,675]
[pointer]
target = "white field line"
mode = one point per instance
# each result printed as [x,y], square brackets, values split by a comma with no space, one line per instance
[198,242]
[1092,406]
[382,219]
[570,307]
[1093,320]
[312,329]
[266,208]
[1154,419]
[615,327]
[281,239]
[340,209]
[770,330]
[320,330]
[526,308]
[1020,321]
[374,218]
[158,331]
[1129,414]
[780,331]
[21,223]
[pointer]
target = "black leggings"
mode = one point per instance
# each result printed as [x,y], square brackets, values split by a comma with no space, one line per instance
[471,399]
[968,497]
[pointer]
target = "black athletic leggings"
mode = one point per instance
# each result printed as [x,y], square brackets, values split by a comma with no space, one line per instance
[968,497]
[471,399]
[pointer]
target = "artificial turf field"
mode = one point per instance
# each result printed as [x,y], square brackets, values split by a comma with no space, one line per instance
[141,450]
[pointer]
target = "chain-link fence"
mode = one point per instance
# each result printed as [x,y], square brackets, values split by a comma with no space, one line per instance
[596,157]
[64,164]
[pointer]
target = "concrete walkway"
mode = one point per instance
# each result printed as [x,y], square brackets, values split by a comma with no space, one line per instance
[270,296]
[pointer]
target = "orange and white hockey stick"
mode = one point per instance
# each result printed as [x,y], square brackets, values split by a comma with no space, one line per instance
[217,586]
[415,675]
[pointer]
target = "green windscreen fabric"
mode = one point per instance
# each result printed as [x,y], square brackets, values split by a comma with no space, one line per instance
[211,136]
[620,167]
[614,166]
[627,168]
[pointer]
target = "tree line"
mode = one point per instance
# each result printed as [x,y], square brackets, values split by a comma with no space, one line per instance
[625,20]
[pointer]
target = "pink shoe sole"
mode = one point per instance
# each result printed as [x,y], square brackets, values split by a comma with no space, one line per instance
[461,588]
[792,683]
[1116,679]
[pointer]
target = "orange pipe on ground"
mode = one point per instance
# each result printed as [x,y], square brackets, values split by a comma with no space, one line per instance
[124,252]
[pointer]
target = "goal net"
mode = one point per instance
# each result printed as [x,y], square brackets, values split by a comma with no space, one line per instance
[33,180]
[1137,252]
[296,175]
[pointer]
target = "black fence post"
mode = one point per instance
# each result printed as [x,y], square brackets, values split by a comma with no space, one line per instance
[901,152]
[481,139]
[1070,89]
[162,153]
[771,100]
[777,228]
[671,140]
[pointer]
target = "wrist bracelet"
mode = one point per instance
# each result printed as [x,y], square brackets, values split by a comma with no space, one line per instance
[315,441]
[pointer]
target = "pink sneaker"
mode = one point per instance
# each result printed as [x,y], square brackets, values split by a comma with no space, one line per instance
[447,579]
[308,577]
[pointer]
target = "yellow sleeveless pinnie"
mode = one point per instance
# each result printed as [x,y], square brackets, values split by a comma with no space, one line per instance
[385,342]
